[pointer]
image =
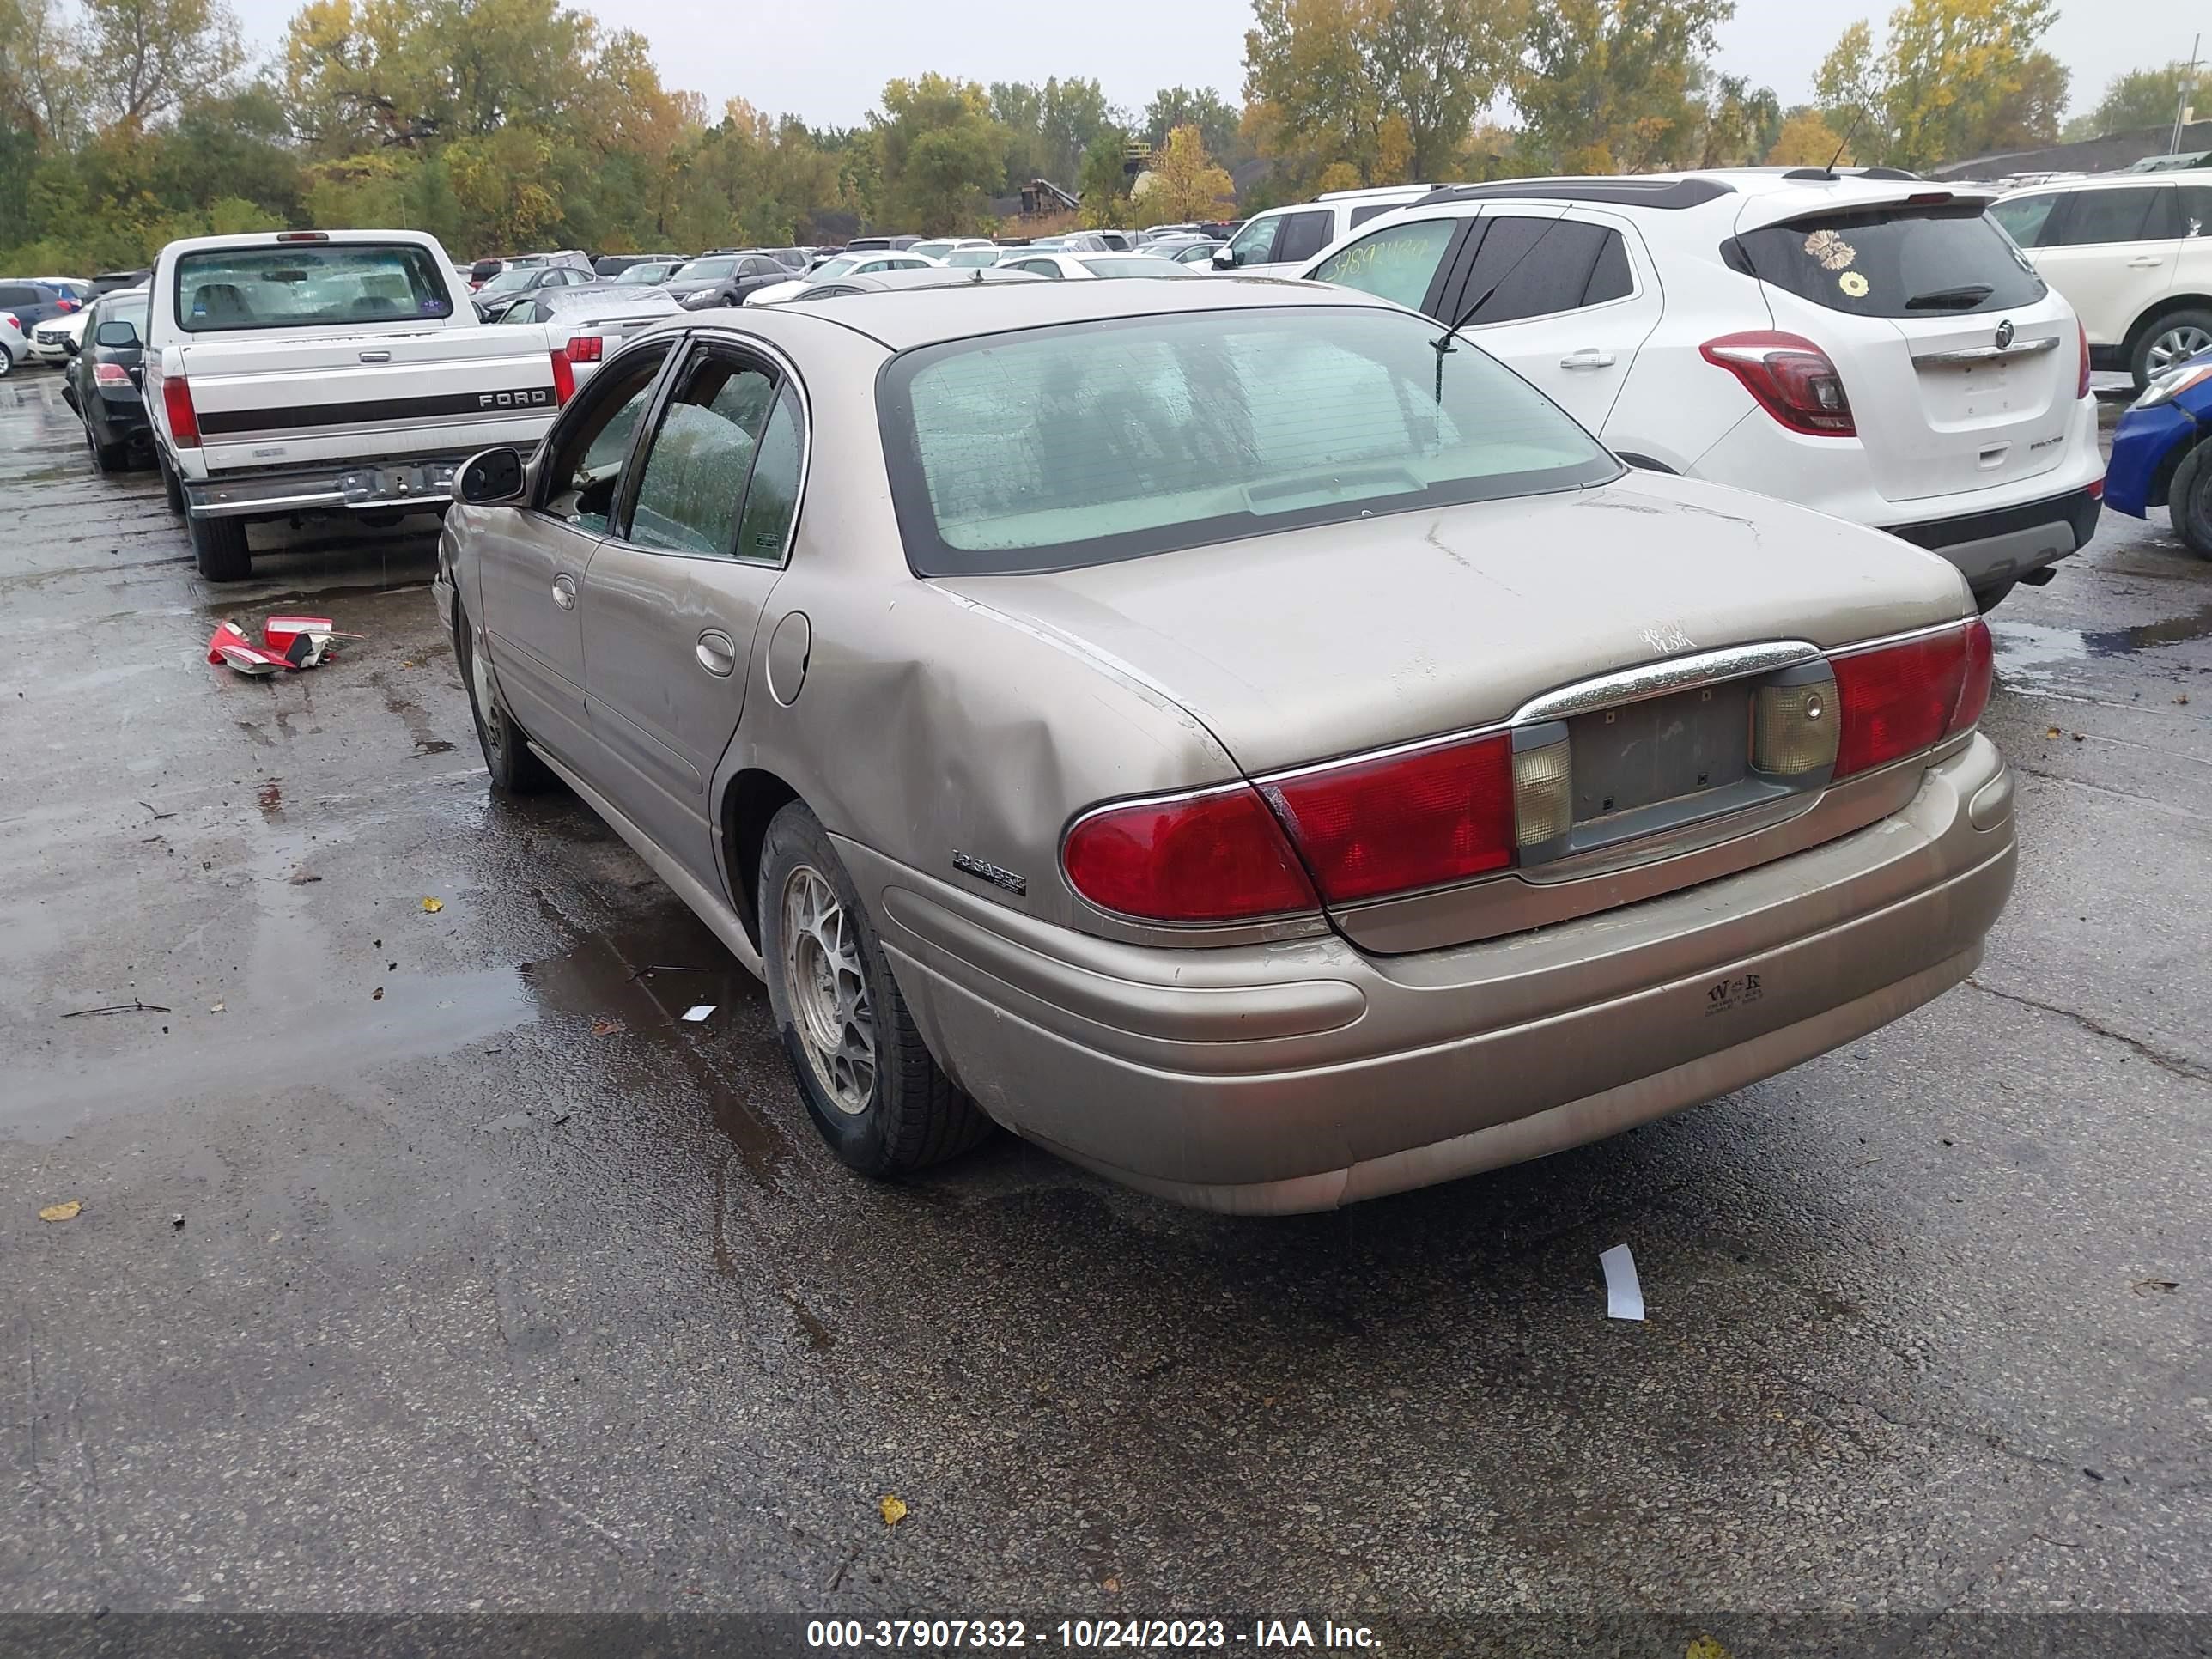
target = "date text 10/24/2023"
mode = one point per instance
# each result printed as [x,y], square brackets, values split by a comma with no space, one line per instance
[1156,1635]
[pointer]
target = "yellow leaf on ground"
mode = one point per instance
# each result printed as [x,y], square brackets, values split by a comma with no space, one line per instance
[68,1212]
[434,905]
[894,1511]
[1705,1648]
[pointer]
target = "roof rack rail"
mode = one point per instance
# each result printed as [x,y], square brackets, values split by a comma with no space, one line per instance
[1619,192]
[1823,173]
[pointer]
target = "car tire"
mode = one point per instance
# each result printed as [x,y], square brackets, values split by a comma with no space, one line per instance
[6,361]
[108,458]
[219,549]
[2189,501]
[2174,337]
[172,487]
[1989,598]
[870,1083]
[514,767]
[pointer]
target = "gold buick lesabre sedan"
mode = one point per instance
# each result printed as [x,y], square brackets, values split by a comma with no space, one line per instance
[1234,734]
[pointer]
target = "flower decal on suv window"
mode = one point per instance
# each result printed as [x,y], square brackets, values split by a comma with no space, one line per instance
[1833,252]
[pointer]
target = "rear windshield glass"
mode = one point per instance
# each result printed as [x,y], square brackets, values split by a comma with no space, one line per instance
[308,285]
[1896,262]
[1050,448]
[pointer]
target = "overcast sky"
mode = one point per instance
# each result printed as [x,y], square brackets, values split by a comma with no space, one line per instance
[827,60]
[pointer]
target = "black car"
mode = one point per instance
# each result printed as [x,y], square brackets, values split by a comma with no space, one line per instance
[725,279]
[107,281]
[102,380]
[33,303]
[518,279]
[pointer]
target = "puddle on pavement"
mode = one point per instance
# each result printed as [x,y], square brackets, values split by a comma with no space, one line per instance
[617,987]
[2027,653]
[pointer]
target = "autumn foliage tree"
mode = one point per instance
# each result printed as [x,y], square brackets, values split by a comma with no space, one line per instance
[1183,184]
[1952,79]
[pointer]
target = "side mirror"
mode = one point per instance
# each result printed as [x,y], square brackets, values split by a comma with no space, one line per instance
[1224,259]
[116,335]
[489,478]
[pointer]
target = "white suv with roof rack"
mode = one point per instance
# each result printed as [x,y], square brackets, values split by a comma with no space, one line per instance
[1277,242]
[1860,342]
[2132,253]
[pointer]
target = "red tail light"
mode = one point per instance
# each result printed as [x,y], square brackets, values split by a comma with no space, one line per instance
[1218,856]
[1791,378]
[65,303]
[586,348]
[8,317]
[2082,390]
[2096,490]
[564,378]
[184,419]
[110,375]
[1897,700]
[1402,822]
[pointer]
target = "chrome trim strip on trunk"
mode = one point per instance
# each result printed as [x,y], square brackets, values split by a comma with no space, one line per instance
[1659,679]
[1989,354]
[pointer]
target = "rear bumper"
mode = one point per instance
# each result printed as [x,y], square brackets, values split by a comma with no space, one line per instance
[2147,445]
[423,483]
[1306,1075]
[2004,545]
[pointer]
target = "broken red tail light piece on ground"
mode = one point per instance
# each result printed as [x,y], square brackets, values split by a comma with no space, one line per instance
[287,643]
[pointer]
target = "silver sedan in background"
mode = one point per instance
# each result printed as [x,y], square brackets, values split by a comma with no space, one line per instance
[1225,732]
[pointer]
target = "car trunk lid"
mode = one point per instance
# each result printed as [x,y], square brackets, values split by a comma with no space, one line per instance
[1961,366]
[1336,641]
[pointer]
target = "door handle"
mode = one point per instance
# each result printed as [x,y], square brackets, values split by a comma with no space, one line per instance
[564,591]
[717,652]
[2145,262]
[1588,357]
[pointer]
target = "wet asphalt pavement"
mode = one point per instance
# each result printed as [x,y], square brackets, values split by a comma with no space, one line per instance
[427,1262]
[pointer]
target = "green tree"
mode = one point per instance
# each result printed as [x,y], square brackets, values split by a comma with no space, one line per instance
[1611,86]
[2141,98]
[1181,107]
[1948,84]
[1183,183]
[1104,191]
[154,55]
[940,152]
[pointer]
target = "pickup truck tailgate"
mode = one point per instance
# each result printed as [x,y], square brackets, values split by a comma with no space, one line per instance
[278,402]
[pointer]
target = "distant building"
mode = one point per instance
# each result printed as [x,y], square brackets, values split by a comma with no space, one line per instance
[2115,152]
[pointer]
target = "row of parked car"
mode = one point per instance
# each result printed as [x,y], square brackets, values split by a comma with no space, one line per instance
[1274,742]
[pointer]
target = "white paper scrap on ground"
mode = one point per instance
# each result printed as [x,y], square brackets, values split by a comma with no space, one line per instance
[694,1015]
[1624,1296]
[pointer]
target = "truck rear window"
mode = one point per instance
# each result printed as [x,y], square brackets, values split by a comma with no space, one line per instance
[299,285]
[1894,262]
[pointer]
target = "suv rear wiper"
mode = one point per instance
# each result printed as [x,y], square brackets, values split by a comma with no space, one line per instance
[1966,294]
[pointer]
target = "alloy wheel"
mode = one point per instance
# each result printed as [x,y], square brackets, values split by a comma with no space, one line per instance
[828,988]
[481,702]
[2177,345]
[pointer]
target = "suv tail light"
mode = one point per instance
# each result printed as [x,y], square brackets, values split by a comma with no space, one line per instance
[1402,821]
[564,378]
[1215,856]
[2082,329]
[585,348]
[65,304]
[177,405]
[8,317]
[1897,700]
[1791,378]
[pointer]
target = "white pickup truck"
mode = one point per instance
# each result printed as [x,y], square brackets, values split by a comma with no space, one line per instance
[342,371]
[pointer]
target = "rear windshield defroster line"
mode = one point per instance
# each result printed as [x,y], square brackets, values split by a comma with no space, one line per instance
[308,285]
[1085,443]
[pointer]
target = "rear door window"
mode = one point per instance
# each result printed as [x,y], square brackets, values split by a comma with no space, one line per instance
[692,490]
[1895,262]
[2094,217]
[1305,235]
[308,285]
[1538,266]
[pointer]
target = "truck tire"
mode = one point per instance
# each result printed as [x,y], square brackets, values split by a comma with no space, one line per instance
[219,549]
[2189,501]
[172,488]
